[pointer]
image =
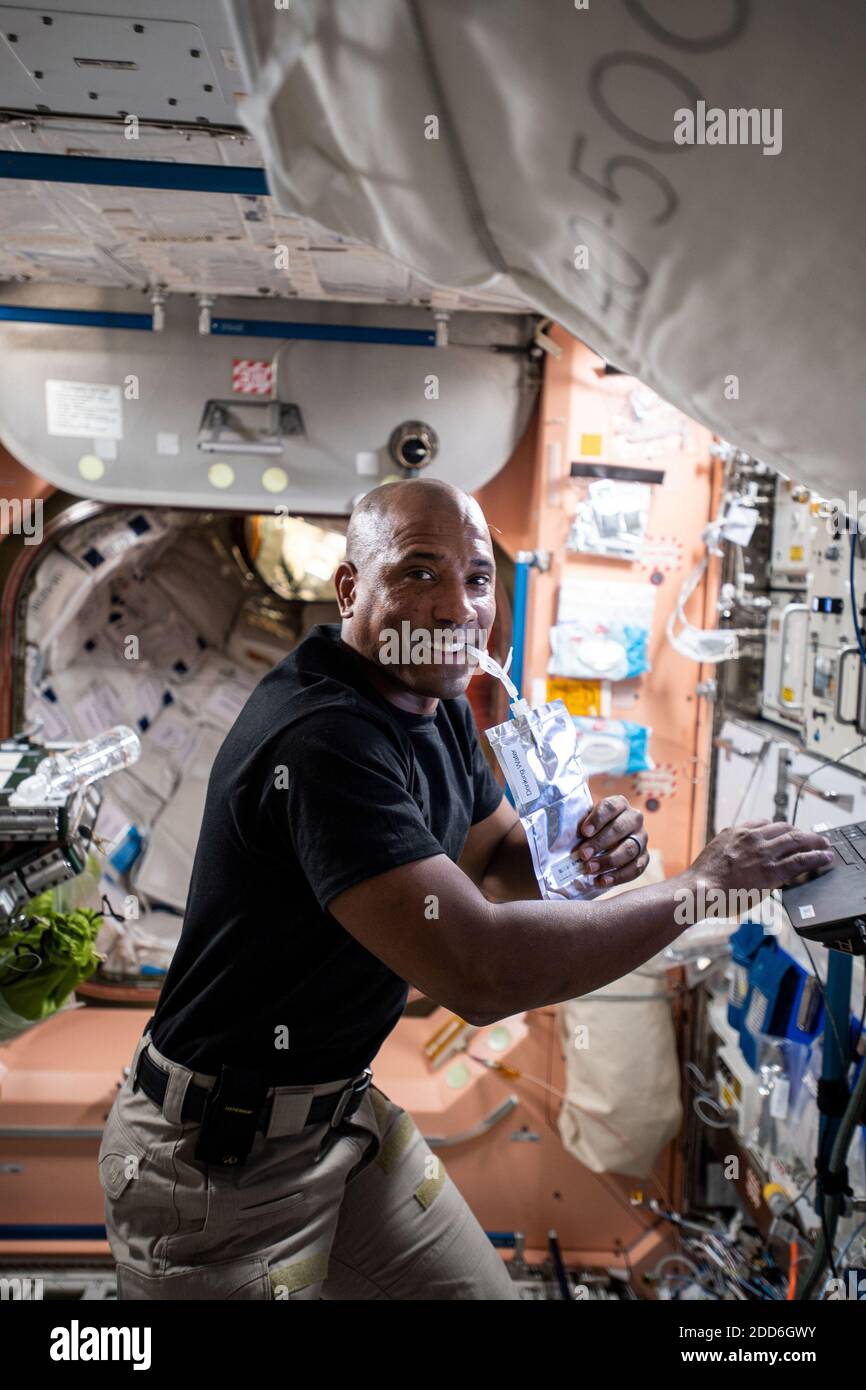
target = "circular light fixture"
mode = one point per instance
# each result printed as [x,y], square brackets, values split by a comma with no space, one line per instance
[221,475]
[499,1038]
[275,480]
[91,467]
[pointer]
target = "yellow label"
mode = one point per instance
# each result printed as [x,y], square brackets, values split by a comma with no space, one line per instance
[580,697]
[796,552]
[590,443]
[788,695]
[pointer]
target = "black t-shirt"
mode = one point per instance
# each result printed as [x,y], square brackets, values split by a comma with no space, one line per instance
[320,784]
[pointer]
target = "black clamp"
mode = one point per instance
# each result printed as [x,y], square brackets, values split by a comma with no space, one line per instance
[833,1097]
[357,1088]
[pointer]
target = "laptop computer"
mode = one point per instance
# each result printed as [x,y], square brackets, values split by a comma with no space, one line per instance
[831,908]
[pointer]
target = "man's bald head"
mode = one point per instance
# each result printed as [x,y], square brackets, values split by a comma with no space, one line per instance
[379,511]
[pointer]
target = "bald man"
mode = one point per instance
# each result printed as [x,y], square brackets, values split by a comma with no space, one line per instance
[354,841]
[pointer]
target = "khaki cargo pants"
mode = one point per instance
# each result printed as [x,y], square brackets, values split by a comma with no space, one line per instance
[375,1217]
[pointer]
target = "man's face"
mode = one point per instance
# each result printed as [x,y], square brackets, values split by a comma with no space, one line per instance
[435,574]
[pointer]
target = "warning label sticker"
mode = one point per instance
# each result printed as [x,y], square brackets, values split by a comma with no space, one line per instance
[83,409]
[252,378]
[658,782]
[580,697]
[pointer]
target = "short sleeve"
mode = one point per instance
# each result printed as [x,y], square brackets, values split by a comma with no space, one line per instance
[345,804]
[488,792]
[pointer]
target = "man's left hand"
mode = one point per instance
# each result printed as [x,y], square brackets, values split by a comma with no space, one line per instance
[613,848]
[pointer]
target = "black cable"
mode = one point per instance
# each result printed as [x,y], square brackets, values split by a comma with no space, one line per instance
[109,910]
[834,1201]
[831,1257]
[843,1057]
[843,1051]
[797,1195]
[855,615]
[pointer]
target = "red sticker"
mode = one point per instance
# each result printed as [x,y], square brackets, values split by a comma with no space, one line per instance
[660,782]
[663,553]
[252,378]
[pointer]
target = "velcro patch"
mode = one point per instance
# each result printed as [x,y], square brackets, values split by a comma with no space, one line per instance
[298,1275]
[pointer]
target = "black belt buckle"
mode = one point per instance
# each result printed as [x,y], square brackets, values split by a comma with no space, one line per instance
[355,1088]
[230,1120]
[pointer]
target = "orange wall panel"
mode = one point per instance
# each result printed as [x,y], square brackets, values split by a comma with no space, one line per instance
[534,507]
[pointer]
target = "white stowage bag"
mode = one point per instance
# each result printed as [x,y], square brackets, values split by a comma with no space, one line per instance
[528,146]
[622,1079]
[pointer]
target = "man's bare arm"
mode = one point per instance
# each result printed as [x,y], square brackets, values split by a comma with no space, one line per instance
[496,857]
[432,926]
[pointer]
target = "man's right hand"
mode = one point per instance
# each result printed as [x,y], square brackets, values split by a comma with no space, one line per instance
[762,854]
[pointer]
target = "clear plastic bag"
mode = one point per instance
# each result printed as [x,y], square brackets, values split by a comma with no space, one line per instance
[537,751]
[610,520]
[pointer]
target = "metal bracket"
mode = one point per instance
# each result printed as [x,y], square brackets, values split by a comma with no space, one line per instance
[844,800]
[227,427]
[728,746]
[536,559]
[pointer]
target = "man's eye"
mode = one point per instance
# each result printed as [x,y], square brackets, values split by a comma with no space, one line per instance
[411,574]
[485,578]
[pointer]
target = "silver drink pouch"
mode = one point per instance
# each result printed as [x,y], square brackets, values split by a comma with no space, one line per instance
[537,751]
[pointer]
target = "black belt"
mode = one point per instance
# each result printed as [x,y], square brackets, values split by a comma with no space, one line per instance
[333,1107]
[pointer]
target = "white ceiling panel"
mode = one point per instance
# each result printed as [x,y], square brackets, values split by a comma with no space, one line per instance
[192,243]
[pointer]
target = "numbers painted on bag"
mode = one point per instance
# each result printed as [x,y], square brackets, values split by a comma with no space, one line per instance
[737,26]
[606,188]
[625,59]
[606,287]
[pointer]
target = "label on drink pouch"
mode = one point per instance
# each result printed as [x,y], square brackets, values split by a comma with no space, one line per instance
[520,775]
[566,870]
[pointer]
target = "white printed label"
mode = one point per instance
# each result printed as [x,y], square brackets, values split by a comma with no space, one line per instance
[757,1011]
[54,724]
[807,911]
[521,777]
[566,871]
[83,409]
[779,1099]
[99,708]
[173,734]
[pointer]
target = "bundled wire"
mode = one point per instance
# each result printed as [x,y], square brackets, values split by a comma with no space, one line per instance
[709,645]
[717,1264]
[833,1199]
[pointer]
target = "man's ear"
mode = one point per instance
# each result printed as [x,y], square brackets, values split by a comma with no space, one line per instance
[345,581]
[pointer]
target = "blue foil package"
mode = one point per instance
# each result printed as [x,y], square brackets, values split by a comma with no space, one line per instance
[613,746]
[616,654]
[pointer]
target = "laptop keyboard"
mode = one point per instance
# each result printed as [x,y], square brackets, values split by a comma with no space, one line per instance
[849,842]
